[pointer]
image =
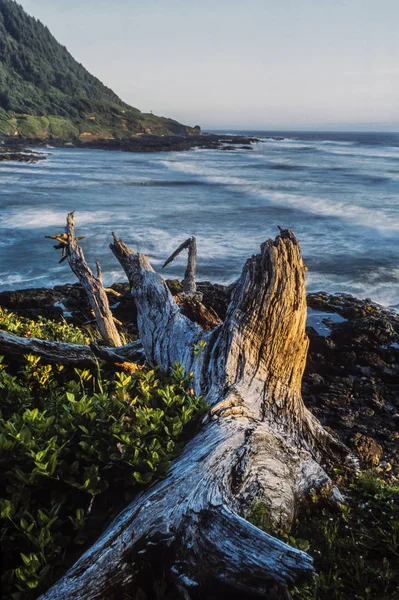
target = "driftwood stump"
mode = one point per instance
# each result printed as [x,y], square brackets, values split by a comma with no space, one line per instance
[258,442]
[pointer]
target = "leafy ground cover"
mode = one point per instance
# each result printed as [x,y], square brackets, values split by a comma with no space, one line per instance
[75,446]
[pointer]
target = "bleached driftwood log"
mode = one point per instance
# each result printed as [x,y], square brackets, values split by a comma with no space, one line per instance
[15,347]
[93,286]
[258,442]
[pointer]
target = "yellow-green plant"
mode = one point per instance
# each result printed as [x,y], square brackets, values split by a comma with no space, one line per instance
[76,445]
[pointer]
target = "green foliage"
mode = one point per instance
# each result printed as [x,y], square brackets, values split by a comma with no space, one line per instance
[259,515]
[44,92]
[75,446]
[199,347]
[42,328]
[356,552]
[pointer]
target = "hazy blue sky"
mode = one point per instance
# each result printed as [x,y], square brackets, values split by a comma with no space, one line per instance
[242,64]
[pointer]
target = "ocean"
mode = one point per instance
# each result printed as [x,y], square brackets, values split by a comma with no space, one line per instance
[338,192]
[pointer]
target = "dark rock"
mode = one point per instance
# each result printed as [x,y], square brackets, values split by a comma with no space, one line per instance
[147,142]
[370,453]
[359,365]
[21,155]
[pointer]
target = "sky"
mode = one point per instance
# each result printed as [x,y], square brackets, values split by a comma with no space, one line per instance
[235,64]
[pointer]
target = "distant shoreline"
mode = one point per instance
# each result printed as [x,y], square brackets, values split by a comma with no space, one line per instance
[142,143]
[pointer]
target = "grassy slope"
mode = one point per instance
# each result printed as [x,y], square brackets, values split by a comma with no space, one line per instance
[45,92]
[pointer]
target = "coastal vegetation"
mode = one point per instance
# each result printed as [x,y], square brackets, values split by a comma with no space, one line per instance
[76,445]
[355,551]
[46,93]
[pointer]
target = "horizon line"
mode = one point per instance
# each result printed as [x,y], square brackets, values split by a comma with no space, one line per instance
[299,130]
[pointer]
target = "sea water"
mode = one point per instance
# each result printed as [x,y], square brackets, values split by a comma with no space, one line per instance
[338,192]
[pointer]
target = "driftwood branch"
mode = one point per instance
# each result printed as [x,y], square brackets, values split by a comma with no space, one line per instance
[189,285]
[16,348]
[92,285]
[258,442]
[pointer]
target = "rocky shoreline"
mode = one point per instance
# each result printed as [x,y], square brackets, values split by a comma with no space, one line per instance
[144,143]
[351,381]
[20,155]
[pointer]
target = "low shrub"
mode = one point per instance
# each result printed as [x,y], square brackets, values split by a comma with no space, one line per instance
[75,446]
[356,552]
[43,328]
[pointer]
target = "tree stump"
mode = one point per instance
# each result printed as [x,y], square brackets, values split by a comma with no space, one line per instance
[257,443]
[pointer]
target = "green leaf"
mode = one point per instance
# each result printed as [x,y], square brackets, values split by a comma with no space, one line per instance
[24,523]
[27,559]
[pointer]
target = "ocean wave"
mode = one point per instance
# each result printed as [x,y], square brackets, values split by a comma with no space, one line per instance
[335,143]
[27,218]
[160,183]
[297,145]
[357,215]
[366,153]
[10,280]
[286,167]
[347,211]
[385,293]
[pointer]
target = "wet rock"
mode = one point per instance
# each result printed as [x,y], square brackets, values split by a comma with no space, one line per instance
[33,303]
[147,142]
[359,364]
[26,156]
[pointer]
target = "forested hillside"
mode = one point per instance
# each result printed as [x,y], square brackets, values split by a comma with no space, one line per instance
[45,92]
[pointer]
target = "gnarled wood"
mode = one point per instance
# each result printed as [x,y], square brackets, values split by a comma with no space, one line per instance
[92,285]
[258,442]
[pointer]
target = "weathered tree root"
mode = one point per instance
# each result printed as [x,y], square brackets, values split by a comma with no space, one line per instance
[258,441]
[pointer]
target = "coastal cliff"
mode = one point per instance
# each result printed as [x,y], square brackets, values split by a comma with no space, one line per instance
[45,93]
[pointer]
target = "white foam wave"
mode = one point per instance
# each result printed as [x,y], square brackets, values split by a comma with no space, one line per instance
[26,218]
[334,143]
[347,211]
[366,153]
[14,279]
[357,215]
[385,293]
